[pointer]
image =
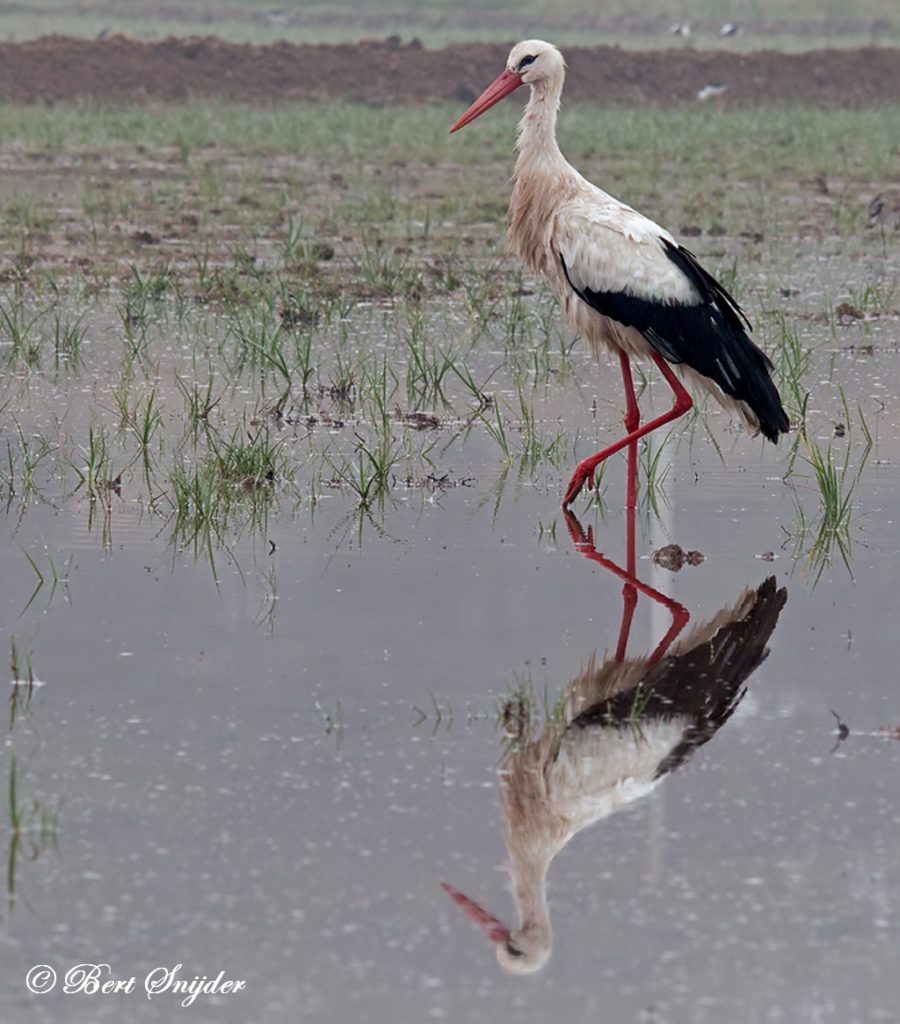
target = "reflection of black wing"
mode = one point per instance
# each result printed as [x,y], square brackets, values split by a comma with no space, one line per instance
[704,684]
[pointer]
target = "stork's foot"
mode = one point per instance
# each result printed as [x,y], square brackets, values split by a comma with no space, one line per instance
[584,473]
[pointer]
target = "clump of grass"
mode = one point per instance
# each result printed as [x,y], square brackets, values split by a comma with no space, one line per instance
[427,365]
[383,272]
[197,502]
[236,477]
[537,447]
[496,428]
[23,458]
[836,482]
[369,473]
[95,473]
[200,401]
[19,330]
[792,365]
[141,419]
[831,525]
[300,253]
[652,470]
[68,337]
[875,298]
[249,458]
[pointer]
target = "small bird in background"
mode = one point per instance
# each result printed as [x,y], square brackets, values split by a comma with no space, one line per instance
[624,283]
[885,209]
[712,91]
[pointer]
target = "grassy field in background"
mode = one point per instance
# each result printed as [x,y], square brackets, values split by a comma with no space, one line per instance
[267,305]
[765,24]
[743,165]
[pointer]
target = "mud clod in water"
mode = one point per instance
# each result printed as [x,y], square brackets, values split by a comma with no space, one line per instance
[674,558]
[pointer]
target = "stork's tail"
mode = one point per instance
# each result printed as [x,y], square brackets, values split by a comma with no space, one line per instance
[764,401]
[722,350]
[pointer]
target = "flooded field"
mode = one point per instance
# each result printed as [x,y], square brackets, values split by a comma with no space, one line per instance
[295,619]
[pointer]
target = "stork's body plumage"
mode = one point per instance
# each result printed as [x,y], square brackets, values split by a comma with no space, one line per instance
[623,282]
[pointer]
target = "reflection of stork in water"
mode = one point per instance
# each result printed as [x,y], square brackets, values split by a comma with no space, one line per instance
[624,725]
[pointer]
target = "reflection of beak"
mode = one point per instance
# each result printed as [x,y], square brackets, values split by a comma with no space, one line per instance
[493,928]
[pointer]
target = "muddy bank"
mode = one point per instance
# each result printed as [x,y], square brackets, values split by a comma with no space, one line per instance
[56,68]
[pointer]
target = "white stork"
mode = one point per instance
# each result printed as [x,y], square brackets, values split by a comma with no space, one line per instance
[625,725]
[624,283]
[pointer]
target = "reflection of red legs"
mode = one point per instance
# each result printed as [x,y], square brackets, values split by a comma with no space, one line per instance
[584,471]
[680,616]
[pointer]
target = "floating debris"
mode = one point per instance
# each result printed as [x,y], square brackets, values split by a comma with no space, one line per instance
[436,483]
[674,557]
[420,420]
[846,311]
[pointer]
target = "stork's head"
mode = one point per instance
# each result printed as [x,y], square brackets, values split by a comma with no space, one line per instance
[532,62]
[524,951]
[535,61]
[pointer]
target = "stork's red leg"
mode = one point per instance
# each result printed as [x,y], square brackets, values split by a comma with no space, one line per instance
[585,470]
[632,422]
[632,412]
[629,591]
[584,542]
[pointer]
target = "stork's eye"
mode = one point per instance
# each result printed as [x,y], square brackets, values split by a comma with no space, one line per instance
[525,61]
[510,948]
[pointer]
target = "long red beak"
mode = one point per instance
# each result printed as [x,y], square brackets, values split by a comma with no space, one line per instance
[495,929]
[508,82]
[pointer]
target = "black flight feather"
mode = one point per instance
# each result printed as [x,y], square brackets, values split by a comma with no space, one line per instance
[710,336]
[704,684]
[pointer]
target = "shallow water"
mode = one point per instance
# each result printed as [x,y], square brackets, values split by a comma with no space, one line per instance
[260,748]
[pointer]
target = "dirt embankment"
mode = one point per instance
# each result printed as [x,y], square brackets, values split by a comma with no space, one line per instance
[57,69]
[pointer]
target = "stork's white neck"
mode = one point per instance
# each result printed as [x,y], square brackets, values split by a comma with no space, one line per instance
[528,874]
[542,176]
[536,133]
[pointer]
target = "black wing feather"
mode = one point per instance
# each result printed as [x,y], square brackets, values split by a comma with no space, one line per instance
[710,336]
